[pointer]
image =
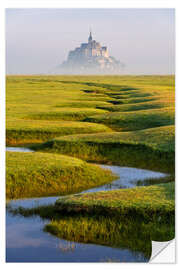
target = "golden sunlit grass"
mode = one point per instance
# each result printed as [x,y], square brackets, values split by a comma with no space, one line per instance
[41,174]
[140,201]
[149,148]
[33,131]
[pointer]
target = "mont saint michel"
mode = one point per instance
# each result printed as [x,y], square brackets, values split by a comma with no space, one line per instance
[90,57]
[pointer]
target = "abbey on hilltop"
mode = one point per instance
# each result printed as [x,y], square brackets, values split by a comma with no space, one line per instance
[88,50]
[90,57]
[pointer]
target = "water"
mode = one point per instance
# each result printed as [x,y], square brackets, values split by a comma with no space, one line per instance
[130,177]
[27,242]
[18,149]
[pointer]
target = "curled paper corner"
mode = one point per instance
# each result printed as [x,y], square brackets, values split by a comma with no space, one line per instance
[163,252]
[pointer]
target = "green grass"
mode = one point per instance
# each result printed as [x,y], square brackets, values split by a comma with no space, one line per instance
[66,114]
[81,104]
[160,138]
[34,131]
[52,98]
[47,99]
[147,202]
[157,104]
[126,121]
[41,174]
[127,100]
[123,120]
[142,138]
[148,148]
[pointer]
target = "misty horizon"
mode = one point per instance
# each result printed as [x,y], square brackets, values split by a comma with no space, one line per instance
[39,40]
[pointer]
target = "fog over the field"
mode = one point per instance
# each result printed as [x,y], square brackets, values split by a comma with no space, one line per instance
[38,40]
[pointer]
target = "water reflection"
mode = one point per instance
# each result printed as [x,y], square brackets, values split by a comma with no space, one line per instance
[27,242]
[18,149]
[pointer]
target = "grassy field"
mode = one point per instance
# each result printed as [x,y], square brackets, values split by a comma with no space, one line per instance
[120,120]
[136,216]
[66,113]
[38,104]
[147,202]
[40,174]
[36,108]
[142,119]
[33,131]
[132,117]
[134,107]
[149,148]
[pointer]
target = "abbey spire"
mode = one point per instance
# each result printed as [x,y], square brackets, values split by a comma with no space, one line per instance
[90,37]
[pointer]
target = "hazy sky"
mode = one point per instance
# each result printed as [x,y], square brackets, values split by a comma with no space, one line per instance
[37,40]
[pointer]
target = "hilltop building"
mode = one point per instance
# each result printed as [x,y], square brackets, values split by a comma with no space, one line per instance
[88,50]
[90,57]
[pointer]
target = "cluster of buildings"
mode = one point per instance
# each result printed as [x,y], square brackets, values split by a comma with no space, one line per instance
[90,57]
[88,50]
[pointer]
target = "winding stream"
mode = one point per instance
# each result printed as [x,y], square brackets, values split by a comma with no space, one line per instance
[27,242]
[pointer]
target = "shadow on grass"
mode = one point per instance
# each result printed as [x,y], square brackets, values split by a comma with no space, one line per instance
[103,85]
[128,155]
